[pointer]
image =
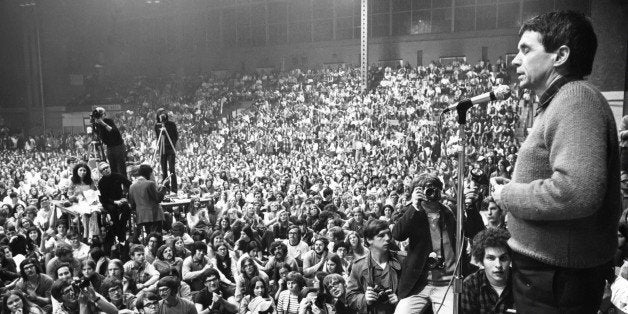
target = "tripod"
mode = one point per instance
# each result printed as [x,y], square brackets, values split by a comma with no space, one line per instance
[161,147]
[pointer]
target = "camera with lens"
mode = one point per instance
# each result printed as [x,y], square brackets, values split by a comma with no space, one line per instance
[95,115]
[435,261]
[382,295]
[432,193]
[80,283]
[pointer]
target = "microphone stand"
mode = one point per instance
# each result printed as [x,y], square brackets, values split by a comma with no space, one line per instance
[462,122]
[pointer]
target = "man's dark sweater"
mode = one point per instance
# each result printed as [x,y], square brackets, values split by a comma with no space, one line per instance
[110,187]
[110,138]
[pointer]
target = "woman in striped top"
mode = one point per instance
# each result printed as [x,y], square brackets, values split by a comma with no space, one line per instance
[288,301]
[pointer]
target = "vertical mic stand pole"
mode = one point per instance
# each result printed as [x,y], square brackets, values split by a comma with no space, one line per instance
[462,122]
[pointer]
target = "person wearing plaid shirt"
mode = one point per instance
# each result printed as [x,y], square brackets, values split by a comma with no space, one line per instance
[489,290]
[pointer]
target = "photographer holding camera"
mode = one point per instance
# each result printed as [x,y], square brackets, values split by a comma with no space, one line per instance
[107,131]
[374,280]
[78,296]
[430,227]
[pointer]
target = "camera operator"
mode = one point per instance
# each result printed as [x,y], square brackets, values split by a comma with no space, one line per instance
[79,298]
[110,135]
[430,227]
[169,139]
[375,277]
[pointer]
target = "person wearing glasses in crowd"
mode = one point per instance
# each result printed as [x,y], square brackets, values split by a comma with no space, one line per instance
[168,289]
[113,291]
[211,299]
[35,285]
[74,300]
[148,303]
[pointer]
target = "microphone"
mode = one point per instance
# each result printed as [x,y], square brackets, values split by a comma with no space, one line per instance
[500,92]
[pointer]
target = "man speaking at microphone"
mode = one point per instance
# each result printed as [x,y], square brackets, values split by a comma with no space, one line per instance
[563,202]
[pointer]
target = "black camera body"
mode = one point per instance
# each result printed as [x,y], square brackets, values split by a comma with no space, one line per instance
[435,261]
[80,283]
[432,193]
[95,115]
[382,295]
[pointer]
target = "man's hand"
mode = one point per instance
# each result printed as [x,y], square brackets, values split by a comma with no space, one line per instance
[392,297]
[497,186]
[100,121]
[417,197]
[215,297]
[370,296]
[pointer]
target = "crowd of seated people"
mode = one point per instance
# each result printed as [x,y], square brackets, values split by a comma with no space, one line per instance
[280,194]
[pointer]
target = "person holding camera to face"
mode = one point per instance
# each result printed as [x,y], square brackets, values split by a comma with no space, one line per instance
[110,136]
[78,296]
[430,228]
[374,280]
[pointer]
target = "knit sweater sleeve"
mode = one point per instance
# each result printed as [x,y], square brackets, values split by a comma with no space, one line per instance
[564,175]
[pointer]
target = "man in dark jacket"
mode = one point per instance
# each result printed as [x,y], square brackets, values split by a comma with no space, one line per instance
[166,132]
[431,229]
[110,136]
[111,187]
[373,284]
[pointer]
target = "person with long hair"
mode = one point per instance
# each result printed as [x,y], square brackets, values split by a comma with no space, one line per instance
[179,248]
[288,300]
[225,263]
[88,270]
[15,302]
[35,285]
[356,248]
[81,181]
[197,217]
[153,242]
[257,299]
[115,269]
[166,260]
[333,265]
[335,290]
[249,270]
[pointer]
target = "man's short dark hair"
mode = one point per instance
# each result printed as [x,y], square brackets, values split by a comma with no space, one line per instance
[136,248]
[171,282]
[64,265]
[147,297]
[145,171]
[108,283]
[426,179]
[569,28]
[342,244]
[491,237]
[372,228]
[57,288]
[486,202]
[198,245]
[212,272]
[63,250]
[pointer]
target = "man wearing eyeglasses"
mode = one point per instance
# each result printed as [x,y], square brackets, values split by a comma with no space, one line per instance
[85,300]
[210,299]
[168,288]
